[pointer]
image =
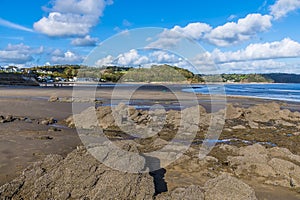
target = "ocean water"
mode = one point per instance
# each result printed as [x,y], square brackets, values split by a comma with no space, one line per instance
[285,92]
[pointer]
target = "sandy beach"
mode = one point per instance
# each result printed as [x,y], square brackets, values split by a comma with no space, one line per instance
[33,127]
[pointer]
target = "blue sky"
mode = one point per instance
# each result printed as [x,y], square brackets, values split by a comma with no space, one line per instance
[243,36]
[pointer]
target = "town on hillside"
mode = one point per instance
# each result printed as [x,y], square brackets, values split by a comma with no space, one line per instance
[157,73]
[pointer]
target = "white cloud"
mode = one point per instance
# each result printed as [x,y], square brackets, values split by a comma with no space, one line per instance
[105,61]
[193,30]
[9,24]
[164,57]
[65,58]
[71,17]
[18,54]
[170,37]
[233,33]
[285,48]
[228,34]
[282,7]
[57,52]
[254,58]
[135,58]
[261,66]
[86,41]
[132,58]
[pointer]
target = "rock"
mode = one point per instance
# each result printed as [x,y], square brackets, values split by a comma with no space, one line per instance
[46,137]
[107,121]
[87,119]
[2,119]
[253,125]
[296,133]
[159,143]
[105,116]
[252,159]
[7,119]
[233,112]
[27,120]
[209,159]
[192,115]
[285,114]
[192,192]
[241,127]
[284,123]
[102,111]
[55,129]
[225,187]
[70,122]
[256,149]
[48,121]
[65,100]
[226,147]
[276,166]
[173,117]
[78,176]
[53,99]
[263,112]
[10,118]
[288,171]
[279,152]
[125,158]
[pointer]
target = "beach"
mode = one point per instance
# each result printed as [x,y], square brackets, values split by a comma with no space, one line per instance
[34,125]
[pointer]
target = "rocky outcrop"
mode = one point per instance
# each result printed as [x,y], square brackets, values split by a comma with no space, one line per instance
[226,187]
[78,176]
[262,116]
[223,187]
[276,166]
[193,192]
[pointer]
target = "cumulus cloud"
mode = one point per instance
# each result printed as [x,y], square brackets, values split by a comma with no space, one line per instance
[106,61]
[262,66]
[193,30]
[146,59]
[170,37]
[132,58]
[85,41]
[260,57]
[67,57]
[71,17]
[164,57]
[285,48]
[18,54]
[282,7]
[233,33]
[228,34]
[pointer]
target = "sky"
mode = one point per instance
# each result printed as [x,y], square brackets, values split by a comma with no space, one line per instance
[238,36]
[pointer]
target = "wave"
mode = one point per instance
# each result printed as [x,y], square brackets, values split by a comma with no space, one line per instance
[282,92]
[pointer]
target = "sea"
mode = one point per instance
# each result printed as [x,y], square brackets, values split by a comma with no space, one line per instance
[275,91]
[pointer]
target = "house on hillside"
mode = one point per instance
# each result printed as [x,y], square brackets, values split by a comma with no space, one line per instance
[12,69]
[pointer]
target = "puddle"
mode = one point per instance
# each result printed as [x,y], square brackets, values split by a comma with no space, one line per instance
[58,126]
[233,141]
